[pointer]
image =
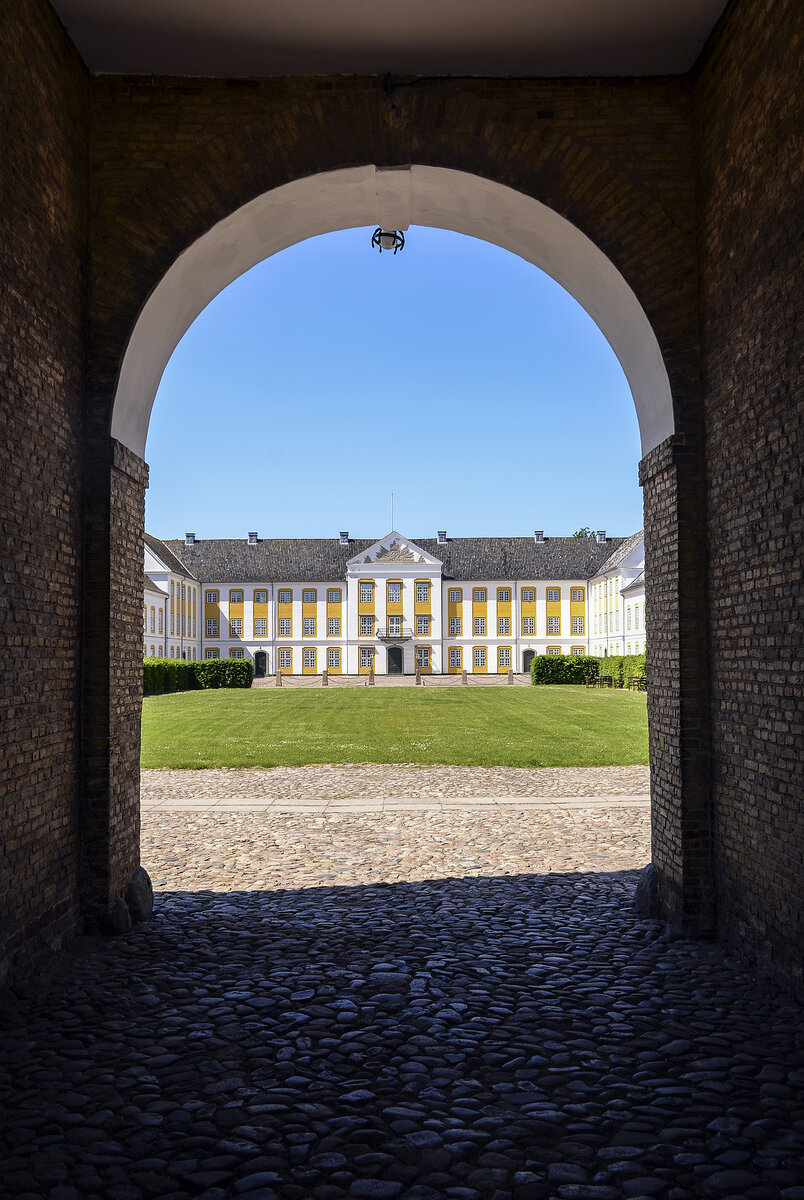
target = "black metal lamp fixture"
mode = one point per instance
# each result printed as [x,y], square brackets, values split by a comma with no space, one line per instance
[388,239]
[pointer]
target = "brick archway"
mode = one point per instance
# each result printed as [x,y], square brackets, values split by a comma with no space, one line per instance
[167,233]
[394,198]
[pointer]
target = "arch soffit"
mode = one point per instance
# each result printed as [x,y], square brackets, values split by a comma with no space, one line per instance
[395,198]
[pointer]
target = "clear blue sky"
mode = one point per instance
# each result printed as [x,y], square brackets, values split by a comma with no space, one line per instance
[454,374]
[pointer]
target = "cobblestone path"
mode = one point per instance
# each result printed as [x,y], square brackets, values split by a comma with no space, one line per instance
[401,1005]
[381,785]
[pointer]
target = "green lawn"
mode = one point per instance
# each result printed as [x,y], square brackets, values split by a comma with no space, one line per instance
[518,727]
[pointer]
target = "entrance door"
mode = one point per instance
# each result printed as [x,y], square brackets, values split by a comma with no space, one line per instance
[527,659]
[260,664]
[394,660]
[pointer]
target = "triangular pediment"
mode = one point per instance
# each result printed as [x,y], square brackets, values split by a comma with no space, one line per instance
[394,549]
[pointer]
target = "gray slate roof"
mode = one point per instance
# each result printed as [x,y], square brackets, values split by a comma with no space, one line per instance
[149,585]
[621,552]
[169,558]
[635,583]
[303,560]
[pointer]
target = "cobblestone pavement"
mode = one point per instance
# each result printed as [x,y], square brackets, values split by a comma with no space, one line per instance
[485,1029]
[385,786]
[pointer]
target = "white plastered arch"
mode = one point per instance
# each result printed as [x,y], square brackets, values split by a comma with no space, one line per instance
[394,198]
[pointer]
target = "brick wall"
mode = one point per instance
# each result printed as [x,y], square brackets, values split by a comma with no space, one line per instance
[44,127]
[748,156]
[677,668]
[114,517]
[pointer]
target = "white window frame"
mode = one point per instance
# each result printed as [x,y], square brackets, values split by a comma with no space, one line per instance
[260,627]
[236,597]
[577,627]
[309,657]
[333,596]
[422,657]
[479,595]
[422,625]
[455,656]
[422,592]
[455,626]
[395,625]
[395,597]
[212,626]
[554,626]
[161,621]
[366,625]
[333,627]
[285,627]
[503,627]
[367,657]
[577,596]
[528,595]
[236,653]
[213,597]
[480,656]
[235,627]
[455,596]
[284,596]
[577,651]
[366,592]
[528,626]
[286,659]
[504,656]
[308,626]
[210,652]
[479,626]
[553,595]
[261,597]
[503,595]
[309,596]
[333,657]
[554,651]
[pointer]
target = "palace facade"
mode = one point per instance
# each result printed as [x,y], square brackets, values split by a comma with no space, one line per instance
[394,606]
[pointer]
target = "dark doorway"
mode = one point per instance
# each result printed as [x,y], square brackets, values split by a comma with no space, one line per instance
[260,664]
[527,659]
[394,660]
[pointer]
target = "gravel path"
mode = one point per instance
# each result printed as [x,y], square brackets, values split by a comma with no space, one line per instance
[384,785]
[416,1006]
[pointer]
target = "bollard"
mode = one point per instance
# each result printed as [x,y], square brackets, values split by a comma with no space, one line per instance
[418,678]
[278,678]
[464,680]
[510,674]
[324,678]
[371,678]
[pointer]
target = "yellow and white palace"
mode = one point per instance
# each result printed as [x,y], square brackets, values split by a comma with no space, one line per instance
[298,606]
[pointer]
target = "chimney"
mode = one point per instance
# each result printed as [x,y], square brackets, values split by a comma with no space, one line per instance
[538,536]
[601,535]
[442,537]
[189,539]
[344,537]
[253,540]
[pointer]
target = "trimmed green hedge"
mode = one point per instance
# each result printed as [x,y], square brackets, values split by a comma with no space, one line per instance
[163,675]
[224,672]
[570,668]
[563,668]
[622,667]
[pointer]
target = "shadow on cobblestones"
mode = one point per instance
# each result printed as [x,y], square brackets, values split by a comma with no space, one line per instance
[489,1037]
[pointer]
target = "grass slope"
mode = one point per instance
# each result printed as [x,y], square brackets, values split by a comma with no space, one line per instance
[518,727]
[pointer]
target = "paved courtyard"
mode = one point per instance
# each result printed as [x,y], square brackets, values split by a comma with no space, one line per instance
[447,997]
